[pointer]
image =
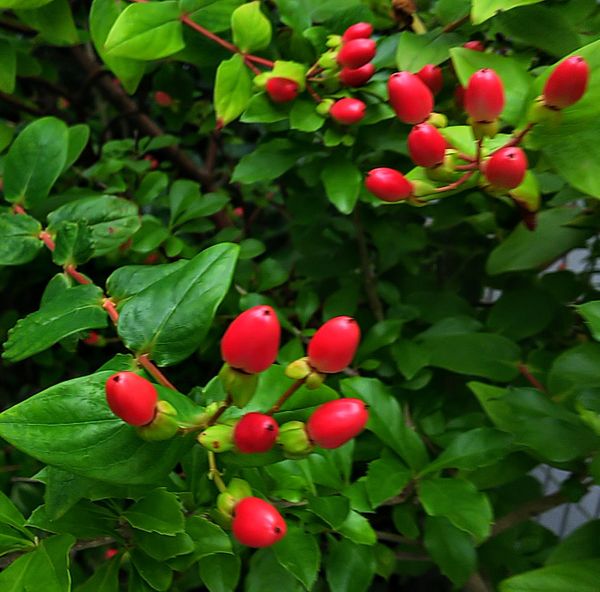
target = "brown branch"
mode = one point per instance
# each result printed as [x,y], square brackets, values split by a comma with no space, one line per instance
[226,404]
[476,583]
[20,105]
[455,24]
[392,537]
[456,183]
[533,381]
[518,138]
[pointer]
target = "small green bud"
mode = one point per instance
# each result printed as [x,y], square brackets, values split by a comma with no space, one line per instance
[324,106]
[539,112]
[226,504]
[217,438]
[348,140]
[298,369]
[314,380]
[239,385]
[163,426]
[239,489]
[334,41]
[422,188]
[484,129]
[260,81]
[294,439]
[438,120]
[328,60]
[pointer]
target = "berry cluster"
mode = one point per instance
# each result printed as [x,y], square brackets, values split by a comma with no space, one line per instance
[250,346]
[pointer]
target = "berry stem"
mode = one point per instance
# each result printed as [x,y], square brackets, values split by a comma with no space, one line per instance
[259,60]
[78,277]
[17,209]
[280,402]
[466,167]
[146,364]
[456,183]
[47,239]
[109,306]
[518,138]
[465,157]
[214,474]
[251,66]
[313,93]
[533,381]
[226,404]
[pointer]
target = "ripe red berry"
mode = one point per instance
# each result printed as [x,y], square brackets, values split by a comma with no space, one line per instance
[357,76]
[567,83]
[506,168]
[356,53]
[110,553]
[334,344]
[475,45]
[388,184]
[427,147]
[256,523]
[255,432]
[282,90]
[357,31]
[336,422]
[163,99]
[131,397]
[484,95]
[348,111]
[433,78]
[251,341]
[410,97]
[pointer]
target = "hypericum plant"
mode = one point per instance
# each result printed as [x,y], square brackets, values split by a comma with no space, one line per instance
[196,231]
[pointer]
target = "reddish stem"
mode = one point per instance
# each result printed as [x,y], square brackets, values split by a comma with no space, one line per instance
[17,209]
[48,241]
[516,140]
[109,306]
[456,183]
[466,167]
[78,277]
[533,381]
[259,60]
[226,404]
[313,93]
[466,157]
[251,66]
[185,19]
[146,364]
[280,402]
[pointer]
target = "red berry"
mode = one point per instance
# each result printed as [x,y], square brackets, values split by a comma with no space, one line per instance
[255,432]
[484,95]
[282,90]
[475,45]
[432,76]
[334,344]
[567,83]
[336,422]
[356,53]
[357,31]
[357,76]
[131,397]
[251,342]
[154,164]
[388,184]
[427,147]
[163,99]
[410,97]
[256,523]
[506,168]
[348,111]
[110,553]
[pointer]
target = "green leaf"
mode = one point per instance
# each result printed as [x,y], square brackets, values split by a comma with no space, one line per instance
[146,31]
[8,67]
[582,576]
[386,477]
[299,553]
[251,28]
[104,579]
[13,540]
[103,16]
[410,357]
[111,220]
[358,529]
[582,543]
[349,567]
[517,81]
[215,16]
[269,161]
[332,509]
[169,319]
[20,243]
[451,548]
[386,420]
[267,574]
[78,309]
[304,116]
[54,21]
[233,89]
[156,573]
[209,539]
[460,502]
[485,9]
[35,161]
[590,311]
[159,511]
[9,514]
[74,244]
[415,51]
[79,136]
[162,547]
[479,354]
[473,449]
[342,181]
[23,4]
[575,369]
[220,573]
[536,422]
[73,415]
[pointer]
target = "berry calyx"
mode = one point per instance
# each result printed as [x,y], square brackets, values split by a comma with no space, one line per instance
[388,184]
[567,83]
[484,95]
[348,111]
[336,422]
[251,341]
[426,146]
[356,53]
[255,432]
[163,99]
[433,77]
[256,523]
[333,346]
[475,45]
[410,97]
[282,90]
[131,397]
[357,31]
[357,76]
[506,168]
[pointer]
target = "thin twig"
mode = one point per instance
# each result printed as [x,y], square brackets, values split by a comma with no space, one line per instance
[290,391]
[214,474]
[533,381]
[226,404]
[456,183]
[146,364]
[455,24]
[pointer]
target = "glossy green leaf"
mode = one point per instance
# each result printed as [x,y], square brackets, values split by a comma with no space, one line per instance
[169,319]
[35,161]
[342,181]
[54,21]
[159,511]
[79,308]
[79,136]
[233,89]
[215,16]
[73,243]
[267,574]
[269,161]
[209,538]
[299,553]
[156,573]
[148,31]
[590,311]
[415,51]
[220,573]
[582,543]
[582,576]
[251,28]
[386,477]
[332,509]
[104,579]
[23,4]
[485,9]
[8,67]
[575,369]
[349,567]
[358,529]
[12,540]
[9,514]
[20,243]
[73,415]
[162,547]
